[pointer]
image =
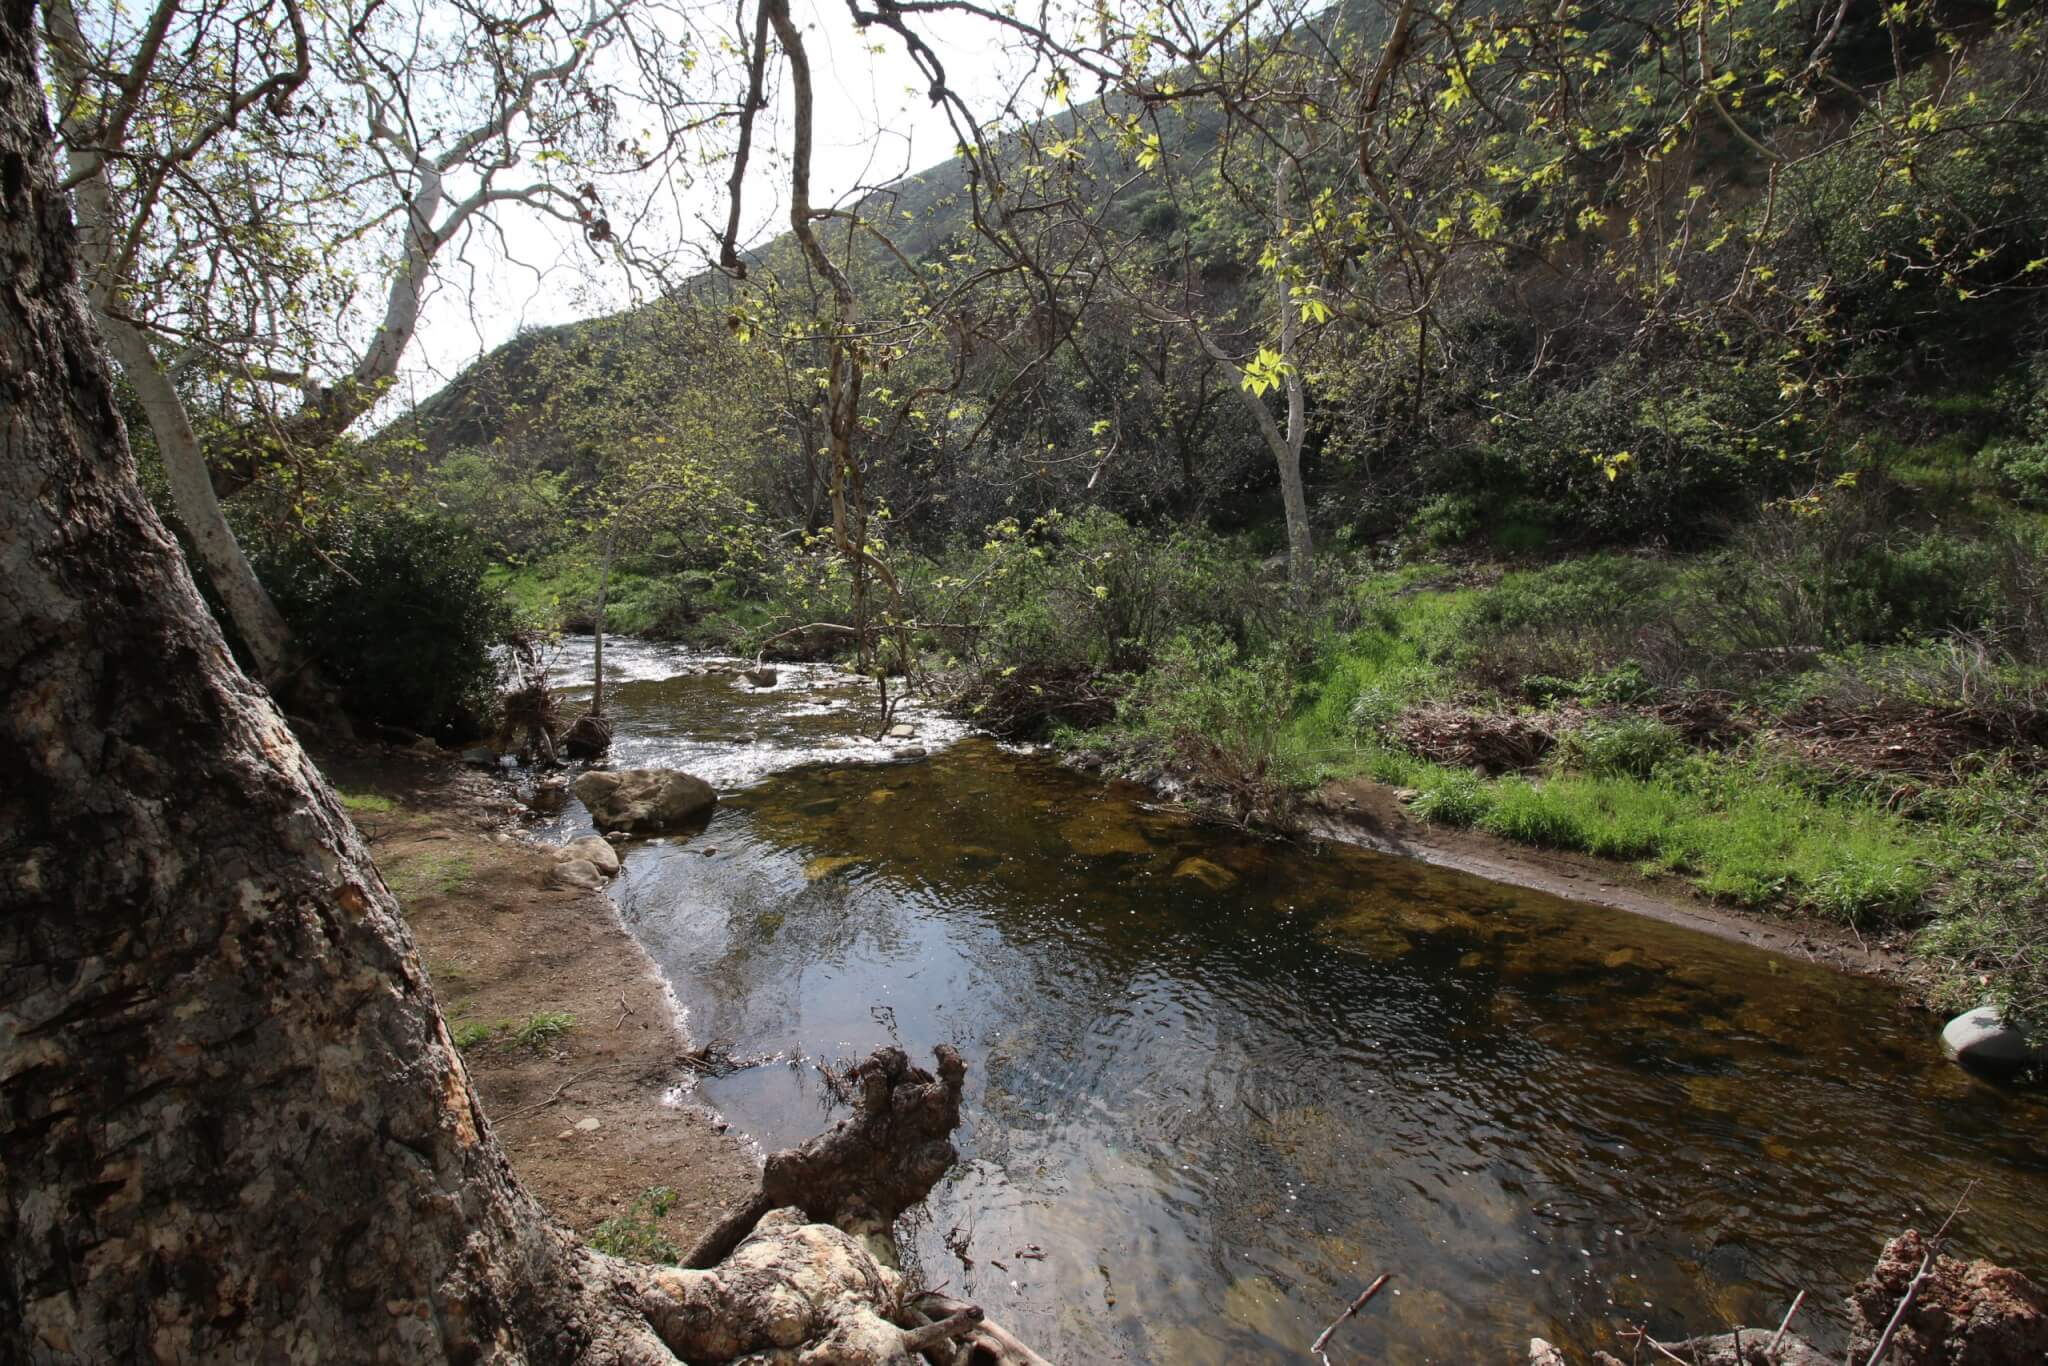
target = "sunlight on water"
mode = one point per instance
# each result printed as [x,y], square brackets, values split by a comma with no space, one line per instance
[1220,1082]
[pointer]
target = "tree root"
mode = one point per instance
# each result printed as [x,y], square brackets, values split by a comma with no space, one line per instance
[865,1170]
[803,1271]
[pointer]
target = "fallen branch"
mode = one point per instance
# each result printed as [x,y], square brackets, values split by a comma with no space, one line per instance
[1884,1343]
[1779,1336]
[537,1108]
[1322,1340]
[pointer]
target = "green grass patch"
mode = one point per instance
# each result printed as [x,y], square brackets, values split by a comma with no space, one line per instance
[1741,829]
[542,1028]
[473,1033]
[362,802]
[410,876]
[636,1235]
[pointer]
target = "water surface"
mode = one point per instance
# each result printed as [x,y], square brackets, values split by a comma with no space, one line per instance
[1220,1082]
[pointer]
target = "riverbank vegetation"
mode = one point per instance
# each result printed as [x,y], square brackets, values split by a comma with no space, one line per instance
[1615,480]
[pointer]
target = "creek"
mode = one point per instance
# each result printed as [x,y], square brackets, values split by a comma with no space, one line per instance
[1218,1082]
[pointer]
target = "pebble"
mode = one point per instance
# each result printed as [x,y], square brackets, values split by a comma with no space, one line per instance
[588,1124]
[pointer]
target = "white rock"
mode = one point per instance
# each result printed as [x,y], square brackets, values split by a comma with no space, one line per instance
[902,730]
[588,1125]
[591,849]
[1980,1039]
[576,872]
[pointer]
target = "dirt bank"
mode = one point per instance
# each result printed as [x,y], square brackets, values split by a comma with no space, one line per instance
[583,1113]
[1366,813]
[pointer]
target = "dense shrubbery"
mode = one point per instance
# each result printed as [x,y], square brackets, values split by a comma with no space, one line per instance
[395,609]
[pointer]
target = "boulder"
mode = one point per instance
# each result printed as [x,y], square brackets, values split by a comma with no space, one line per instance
[483,756]
[1981,1039]
[643,800]
[763,677]
[578,873]
[1963,1314]
[902,730]
[592,849]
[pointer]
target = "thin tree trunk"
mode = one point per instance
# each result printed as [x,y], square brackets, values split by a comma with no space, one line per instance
[255,617]
[1300,546]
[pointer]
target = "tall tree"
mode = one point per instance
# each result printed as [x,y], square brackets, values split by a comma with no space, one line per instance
[232,1122]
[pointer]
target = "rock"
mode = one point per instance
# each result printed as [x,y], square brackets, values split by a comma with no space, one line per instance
[1980,1039]
[644,799]
[902,730]
[592,849]
[1720,1350]
[1964,1313]
[483,756]
[1542,1353]
[910,752]
[763,677]
[576,872]
[549,796]
[1213,876]
[423,745]
[588,1125]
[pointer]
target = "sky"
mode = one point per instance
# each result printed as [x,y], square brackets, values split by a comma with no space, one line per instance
[874,124]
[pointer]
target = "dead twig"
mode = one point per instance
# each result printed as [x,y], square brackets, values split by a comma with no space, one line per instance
[535,1109]
[1779,1336]
[1884,1341]
[624,1011]
[1323,1339]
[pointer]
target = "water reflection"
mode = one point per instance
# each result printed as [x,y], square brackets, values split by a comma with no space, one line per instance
[1223,1082]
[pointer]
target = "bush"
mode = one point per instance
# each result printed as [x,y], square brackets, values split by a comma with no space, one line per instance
[1221,721]
[394,608]
[1634,746]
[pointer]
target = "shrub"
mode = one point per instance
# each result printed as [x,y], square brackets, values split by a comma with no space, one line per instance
[1634,746]
[636,1235]
[395,610]
[1221,720]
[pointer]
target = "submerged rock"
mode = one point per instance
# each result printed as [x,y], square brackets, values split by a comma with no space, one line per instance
[1981,1039]
[763,677]
[591,849]
[1211,875]
[644,800]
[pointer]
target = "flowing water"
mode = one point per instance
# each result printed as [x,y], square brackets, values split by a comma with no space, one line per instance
[1217,1083]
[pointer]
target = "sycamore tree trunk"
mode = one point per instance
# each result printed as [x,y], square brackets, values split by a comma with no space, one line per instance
[232,1124]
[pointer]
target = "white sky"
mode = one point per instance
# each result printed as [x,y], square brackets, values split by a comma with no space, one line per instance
[874,124]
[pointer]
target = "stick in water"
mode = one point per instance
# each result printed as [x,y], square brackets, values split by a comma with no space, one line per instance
[1356,1305]
[1779,1336]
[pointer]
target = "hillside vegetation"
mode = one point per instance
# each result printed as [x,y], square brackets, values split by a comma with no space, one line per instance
[1673,459]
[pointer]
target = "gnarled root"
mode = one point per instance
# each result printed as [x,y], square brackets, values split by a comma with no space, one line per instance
[865,1170]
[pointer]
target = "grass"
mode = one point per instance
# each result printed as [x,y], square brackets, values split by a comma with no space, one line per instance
[360,802]
[1744,829]
[472,1034]
[636,1235]
[412,876]
[542,1028]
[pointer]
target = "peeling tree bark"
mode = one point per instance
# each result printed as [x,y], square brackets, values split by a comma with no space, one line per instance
[232,1123]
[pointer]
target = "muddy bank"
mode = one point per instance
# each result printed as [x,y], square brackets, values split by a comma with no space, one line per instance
[587,1111]
[1369,814]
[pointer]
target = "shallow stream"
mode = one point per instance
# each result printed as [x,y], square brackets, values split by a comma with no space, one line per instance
[1220,1082]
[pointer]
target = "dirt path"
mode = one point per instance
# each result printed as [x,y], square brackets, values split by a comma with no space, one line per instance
[582,1111]
[1363,812]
